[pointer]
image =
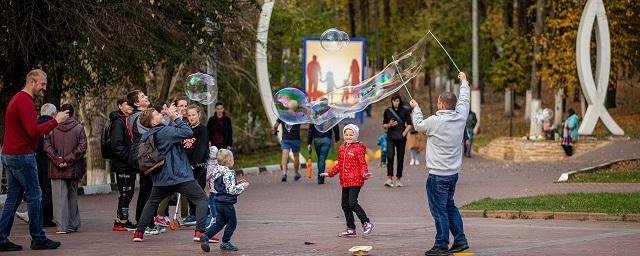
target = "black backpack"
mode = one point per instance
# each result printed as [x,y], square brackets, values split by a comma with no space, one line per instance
[105,143]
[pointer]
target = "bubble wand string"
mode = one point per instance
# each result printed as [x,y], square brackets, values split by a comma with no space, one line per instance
[400,74]
[445,50]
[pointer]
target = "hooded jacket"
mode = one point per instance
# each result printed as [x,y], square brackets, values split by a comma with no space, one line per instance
[168,141]
[67,144]
[351,163]
[120,142]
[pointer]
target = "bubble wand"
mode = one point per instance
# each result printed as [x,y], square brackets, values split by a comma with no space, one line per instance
[445,50]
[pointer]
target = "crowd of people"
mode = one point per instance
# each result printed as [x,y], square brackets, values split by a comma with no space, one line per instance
[196,161]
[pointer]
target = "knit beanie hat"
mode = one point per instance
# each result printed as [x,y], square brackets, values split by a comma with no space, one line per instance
[354,128]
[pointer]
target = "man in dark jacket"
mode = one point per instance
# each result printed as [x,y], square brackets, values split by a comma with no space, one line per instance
[468,139]
[47,111]
[219,129]
[125,174]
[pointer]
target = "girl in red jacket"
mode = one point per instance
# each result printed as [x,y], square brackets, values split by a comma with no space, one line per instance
[353,171]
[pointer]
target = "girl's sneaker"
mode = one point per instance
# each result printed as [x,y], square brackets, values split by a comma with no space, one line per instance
[162,221]
[348,233]
[368,228]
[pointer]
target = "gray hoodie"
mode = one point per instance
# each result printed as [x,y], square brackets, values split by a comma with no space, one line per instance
[135,117]
[444,131]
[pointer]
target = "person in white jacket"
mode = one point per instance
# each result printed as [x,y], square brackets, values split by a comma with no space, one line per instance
[445,132]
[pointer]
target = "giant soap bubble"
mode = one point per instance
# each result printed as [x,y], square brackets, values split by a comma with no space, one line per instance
[201,88]
[333,39]
[293,107]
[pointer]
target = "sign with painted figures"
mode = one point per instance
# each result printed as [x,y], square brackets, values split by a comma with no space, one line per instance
[332,71]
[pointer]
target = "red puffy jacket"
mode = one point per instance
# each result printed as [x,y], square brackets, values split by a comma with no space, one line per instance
[351,165]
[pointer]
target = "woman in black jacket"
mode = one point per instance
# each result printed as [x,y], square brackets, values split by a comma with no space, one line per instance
[197,148]
[219,129]
[125,175]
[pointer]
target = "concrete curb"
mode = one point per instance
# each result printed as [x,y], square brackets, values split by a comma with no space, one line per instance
[547,215]
[564,177]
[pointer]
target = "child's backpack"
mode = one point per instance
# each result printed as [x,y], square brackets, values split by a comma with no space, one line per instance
[149,158]
[105,143]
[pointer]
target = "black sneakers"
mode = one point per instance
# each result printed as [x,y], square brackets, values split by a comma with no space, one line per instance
[9,246]
[46,244]
[436,251]
[458,248]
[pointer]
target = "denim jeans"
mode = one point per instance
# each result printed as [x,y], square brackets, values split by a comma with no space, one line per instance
[22,180]
[212,205]
[226,217]
[322,146]
[440,190]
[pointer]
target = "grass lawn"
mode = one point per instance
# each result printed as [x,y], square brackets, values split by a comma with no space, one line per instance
[612,203]
[608,176]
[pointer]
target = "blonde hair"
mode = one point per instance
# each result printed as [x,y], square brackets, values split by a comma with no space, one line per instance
[146,116]
[225,157]
[196,108]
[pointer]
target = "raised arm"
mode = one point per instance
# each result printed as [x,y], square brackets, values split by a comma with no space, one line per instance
[462,106]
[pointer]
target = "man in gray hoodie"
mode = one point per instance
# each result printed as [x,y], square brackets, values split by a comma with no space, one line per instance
[444,131]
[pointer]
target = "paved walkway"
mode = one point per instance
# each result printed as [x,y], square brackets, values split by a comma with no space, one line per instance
[277,218]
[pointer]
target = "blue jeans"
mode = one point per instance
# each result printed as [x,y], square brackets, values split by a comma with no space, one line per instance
[322,146]
[226,217]
[440,190]
[22,180]
[212,205]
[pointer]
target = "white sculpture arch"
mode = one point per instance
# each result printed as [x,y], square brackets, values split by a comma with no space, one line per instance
[594,91]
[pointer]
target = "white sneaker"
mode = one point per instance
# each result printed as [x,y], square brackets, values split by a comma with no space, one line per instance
[24,216]
[417,162]
[412,162]
[151,231]
[389,183]
[399,184]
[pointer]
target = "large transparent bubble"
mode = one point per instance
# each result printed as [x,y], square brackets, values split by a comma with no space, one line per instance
[332,108]
[333,39]
[201,88]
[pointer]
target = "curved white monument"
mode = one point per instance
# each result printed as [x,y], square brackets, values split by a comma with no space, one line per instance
[594,90]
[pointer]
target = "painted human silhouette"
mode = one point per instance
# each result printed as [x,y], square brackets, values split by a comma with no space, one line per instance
[313,74]
[354,76]
[330,82]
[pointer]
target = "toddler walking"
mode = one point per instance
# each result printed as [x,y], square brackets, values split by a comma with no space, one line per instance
[353,171]
[226,193]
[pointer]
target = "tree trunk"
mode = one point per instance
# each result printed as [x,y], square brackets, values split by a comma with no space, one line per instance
[386,13]
[535,84]
[508,102]
[559,107]
[352,18]
[376,20]
[166,83]
[364,13]
[537,47]
[527,105]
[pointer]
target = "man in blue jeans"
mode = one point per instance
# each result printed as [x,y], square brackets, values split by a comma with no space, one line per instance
[445,131]
[322,142]
[19,160]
